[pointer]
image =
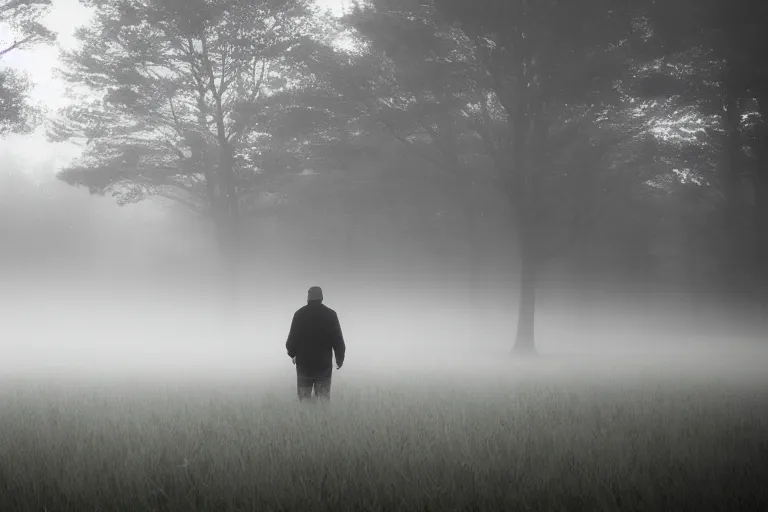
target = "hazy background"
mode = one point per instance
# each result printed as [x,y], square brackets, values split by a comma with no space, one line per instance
[418,271]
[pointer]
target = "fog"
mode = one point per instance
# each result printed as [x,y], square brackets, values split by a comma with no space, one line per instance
[137,292]
[91,288]
[547,250]
[418,278]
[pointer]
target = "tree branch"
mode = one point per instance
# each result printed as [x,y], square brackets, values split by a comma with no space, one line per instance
[176,123]
[239,128]
[17,44]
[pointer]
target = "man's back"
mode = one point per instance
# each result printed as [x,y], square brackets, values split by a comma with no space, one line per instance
[314,336]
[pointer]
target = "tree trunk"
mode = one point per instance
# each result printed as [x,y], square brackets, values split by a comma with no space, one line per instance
[762,241]
[474,278]
[526,312]
[230,222]
[228,264]
[733,219]
[760,149]
[228,215]
[530,133]
[230,259]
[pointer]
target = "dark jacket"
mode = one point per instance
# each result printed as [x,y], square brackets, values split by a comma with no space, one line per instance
[315,332]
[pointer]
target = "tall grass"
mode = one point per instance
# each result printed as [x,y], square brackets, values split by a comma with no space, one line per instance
[502,440]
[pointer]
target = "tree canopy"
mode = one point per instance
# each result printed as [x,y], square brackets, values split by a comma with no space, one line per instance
[626,125]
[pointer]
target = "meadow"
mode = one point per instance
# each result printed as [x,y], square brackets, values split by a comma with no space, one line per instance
[591,434]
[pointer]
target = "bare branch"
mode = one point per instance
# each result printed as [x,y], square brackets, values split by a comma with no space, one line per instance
[17,44]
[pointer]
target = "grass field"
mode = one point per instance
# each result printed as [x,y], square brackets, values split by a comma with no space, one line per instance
[555,434]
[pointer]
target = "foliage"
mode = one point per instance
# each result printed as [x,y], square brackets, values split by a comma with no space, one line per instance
[615,124]
[457,99]
[22,20]
[191,94]
[521,95]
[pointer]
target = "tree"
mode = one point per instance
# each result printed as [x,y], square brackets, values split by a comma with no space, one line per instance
[192,101]
[539,99]
[22,19]
[423,97]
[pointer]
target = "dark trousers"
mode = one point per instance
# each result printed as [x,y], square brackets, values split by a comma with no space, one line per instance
[321,385]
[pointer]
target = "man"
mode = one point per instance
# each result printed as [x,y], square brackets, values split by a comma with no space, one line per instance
[315,333]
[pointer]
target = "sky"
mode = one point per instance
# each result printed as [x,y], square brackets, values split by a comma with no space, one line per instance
[40,64]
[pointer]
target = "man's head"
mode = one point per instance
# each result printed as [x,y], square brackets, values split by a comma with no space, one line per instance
[315,294]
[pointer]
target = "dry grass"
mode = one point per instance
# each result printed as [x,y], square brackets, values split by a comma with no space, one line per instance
[536,439]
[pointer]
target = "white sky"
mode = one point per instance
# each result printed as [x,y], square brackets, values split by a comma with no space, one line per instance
[39,63]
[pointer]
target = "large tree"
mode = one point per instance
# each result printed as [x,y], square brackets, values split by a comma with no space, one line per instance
[196,101]
[534,90]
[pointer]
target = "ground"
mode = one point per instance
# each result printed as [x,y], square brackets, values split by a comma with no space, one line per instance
[551,434]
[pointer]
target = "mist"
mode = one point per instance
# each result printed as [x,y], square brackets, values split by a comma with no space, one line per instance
[100,289]
[547,251]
